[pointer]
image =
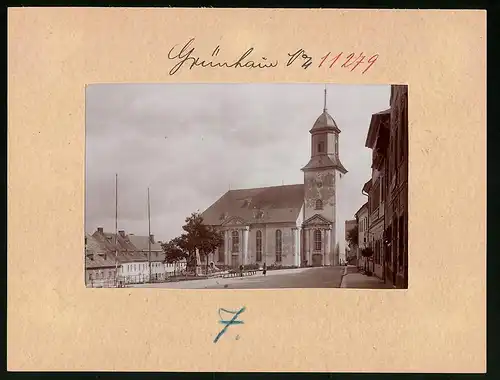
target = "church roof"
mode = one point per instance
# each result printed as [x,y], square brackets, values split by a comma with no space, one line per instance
[325,121]
[324,161]
[277,204]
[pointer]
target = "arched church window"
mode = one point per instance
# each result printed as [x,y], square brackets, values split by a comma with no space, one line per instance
[318,240]
[319,204]
[258,243]
[337,145]
[279,245]
[235,240]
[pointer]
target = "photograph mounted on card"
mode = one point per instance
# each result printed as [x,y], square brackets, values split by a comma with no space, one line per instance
[246,186]
[246,190]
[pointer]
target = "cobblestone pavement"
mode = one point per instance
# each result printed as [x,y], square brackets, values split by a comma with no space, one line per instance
[322,277]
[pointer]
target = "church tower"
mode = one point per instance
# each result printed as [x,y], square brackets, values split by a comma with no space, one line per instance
[323,241]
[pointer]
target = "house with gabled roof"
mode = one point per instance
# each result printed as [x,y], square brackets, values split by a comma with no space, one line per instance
[130,255]
[100,265]
[288,225]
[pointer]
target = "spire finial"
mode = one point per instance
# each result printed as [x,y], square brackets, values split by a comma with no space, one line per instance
[324,107]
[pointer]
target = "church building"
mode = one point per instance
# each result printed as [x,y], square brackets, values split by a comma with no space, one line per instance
[288,225]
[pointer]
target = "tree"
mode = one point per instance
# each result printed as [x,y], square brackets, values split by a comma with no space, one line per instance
[173,251]
[352,243]
[352,237]
[197,236]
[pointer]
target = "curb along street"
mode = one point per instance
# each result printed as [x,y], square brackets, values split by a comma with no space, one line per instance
[342,278]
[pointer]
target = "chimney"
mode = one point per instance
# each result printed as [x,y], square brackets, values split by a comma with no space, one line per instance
[100,230]
[152,238]
[122,233]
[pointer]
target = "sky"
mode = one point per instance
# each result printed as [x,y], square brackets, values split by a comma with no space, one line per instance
[190,143]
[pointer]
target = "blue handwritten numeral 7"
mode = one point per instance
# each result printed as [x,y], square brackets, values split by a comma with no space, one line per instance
[232,321]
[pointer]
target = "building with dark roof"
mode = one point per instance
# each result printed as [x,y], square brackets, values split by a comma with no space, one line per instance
[383,220]
[289,225]
[396,205]
[123,257]
[377,140]
[100,265]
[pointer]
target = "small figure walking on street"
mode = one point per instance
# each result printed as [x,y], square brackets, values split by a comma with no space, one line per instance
[241,270]
[264,269]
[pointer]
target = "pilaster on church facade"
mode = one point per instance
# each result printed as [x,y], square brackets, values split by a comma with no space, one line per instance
[317,231]
[245,245]
[257,244]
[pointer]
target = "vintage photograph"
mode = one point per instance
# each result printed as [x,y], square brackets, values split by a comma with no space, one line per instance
[246,186]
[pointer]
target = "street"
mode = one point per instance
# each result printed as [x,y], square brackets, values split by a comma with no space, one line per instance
[321,277]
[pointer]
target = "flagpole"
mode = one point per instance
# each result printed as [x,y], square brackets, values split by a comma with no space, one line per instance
[116,229]
[149,237]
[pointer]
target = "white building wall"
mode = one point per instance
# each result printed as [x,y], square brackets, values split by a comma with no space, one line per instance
[171,268]
[288,256]
[290,253]
[252,244]
[139,270]
[362,233]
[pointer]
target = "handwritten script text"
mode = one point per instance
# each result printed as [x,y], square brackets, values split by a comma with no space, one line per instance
[185,57]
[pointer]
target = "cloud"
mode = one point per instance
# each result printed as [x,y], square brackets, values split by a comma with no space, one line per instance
[190,142]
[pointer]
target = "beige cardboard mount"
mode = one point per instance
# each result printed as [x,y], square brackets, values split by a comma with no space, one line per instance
[55,323]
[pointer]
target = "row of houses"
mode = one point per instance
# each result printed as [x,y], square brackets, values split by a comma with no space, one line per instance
[121,258]
[382,221]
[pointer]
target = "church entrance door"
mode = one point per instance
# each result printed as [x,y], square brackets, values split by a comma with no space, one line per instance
[235,262]
[317,260]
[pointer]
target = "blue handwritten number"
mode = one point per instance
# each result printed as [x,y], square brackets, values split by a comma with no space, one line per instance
[232,321]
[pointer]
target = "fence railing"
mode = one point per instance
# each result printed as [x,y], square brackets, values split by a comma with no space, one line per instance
[101,283]
[203,271]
